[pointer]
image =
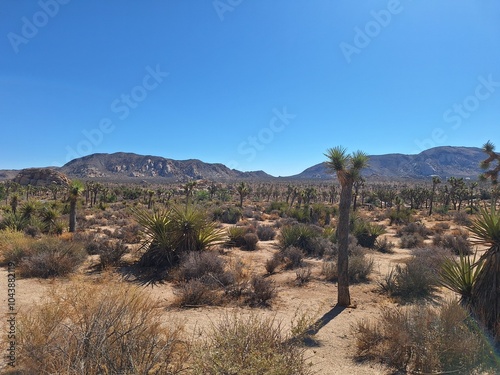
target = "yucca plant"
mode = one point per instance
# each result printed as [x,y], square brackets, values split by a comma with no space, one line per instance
[485,296]
[459,276]
[170,233]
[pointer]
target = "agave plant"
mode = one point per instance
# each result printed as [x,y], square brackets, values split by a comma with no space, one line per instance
[485,294]
[459,276]
[170,233]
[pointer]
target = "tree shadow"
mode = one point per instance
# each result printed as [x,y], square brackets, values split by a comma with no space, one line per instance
[144,276]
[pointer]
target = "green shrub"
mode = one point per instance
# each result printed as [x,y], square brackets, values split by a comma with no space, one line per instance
[423,339]
[305,237]
[359,269]
[227,215]
[236,236]
[248,346]
[366,233]
[403,216]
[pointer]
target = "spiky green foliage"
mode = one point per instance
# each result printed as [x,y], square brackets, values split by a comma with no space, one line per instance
[485,296]
[170,233]
[459,275]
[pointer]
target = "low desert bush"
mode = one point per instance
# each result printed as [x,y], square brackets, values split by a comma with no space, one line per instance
[292,257]
[399,217]
[383,245]
[305,237]
[458,243]
[208,267]
[441,227]
[360,267]
[303,276]
[412,281]
[266,233]
[110,252]
[227,215]
[414,228]
[45,257]
[195,293]
[273,263]
[236,236]
[261,292]
[117,330]
[411,241]
[425,340]
[248,346]
[251,240]
[461,218]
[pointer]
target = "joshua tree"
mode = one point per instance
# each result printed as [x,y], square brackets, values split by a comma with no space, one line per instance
[243,190]
[75,189]
[348,169]
[435,181]
[489,148]
[188,190]
[486,289]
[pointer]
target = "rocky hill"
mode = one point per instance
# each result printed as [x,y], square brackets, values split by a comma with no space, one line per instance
[121,165]
[443,161]
[41,177]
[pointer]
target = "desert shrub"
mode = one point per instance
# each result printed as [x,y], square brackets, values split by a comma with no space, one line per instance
[399,217]
[248,346]
[458,243]
[423,339]
[236,235]
[227,215]
[261,291]
[277,207]
[384,245]
[461,218]
[129,234]
[303,276]
[360,267]
[292,257]
[14,245]
[248,212]
[366,233]
[45,257]
[251,240]
[273,263]
[266,233]
[195,293]
[118,330]
[412,281]
[110,252]
[414,228]
[306,237]
[441,227]
[411,241]
[207,267]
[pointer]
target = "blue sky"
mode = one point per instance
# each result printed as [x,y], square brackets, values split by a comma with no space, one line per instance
[253,84]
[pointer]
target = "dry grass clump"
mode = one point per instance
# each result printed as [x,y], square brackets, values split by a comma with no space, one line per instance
[248,346]
[45,257]
[423,339]
[89,329]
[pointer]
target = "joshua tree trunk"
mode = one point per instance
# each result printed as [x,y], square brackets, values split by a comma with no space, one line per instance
[344,297]
[72,215]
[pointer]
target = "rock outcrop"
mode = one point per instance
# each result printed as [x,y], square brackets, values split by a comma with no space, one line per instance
[41,177]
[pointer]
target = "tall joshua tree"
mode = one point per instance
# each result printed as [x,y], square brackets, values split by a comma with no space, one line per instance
[435,181]
[75,189]
[486,229]
[348,169]
[243,190]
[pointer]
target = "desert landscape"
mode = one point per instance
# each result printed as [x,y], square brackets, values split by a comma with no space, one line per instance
[242,277]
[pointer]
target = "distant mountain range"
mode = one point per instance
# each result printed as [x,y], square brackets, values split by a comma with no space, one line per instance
[444,161]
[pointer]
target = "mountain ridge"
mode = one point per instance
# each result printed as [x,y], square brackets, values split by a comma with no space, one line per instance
[445,161]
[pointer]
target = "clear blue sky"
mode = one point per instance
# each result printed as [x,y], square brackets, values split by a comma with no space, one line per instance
[253,84]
